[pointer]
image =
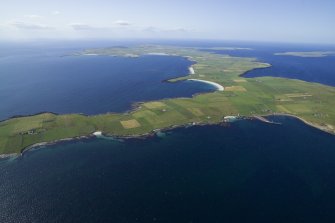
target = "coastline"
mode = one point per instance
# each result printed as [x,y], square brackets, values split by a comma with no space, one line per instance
[207,114]
[317,126]
[99,134]
[10,155]
[307,54]
[246,73]
[191,69]
[218,86]
[54,142]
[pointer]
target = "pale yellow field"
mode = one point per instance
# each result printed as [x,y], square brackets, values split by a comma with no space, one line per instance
[196,111]
[155,104]
[298,95]
[281,108]
[240,80]
[130,124]
[235,88]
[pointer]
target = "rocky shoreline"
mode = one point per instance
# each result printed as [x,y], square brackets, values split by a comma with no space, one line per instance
[154,132]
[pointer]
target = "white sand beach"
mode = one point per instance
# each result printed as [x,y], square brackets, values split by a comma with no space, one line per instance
[191,70]
[218,86]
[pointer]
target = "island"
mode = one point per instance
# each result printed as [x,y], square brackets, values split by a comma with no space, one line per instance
[239,97]
[311,54]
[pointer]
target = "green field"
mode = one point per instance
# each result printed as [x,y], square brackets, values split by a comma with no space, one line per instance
[246,97]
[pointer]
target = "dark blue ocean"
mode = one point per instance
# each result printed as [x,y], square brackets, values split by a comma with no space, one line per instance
[242,173]
[248,171]
[40,78]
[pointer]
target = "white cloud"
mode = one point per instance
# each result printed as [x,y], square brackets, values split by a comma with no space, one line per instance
[81,26]
[179,30]
[33,16]
[173,30]
[151,29]
[27,25]
[122,23]
[56,12]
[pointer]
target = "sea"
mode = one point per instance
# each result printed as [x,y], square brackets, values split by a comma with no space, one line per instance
[312,69]
[39,78]
[245,171]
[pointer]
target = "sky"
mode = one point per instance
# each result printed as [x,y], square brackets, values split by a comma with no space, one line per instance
[304,21]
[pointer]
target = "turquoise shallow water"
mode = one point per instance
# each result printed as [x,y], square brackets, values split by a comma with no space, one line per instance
[247,172]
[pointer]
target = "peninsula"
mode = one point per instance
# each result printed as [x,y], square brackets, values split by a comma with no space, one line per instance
[311,102]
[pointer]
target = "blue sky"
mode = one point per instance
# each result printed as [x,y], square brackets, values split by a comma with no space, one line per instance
[253,20]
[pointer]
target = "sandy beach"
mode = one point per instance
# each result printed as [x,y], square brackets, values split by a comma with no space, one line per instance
[191,70]
[218,86]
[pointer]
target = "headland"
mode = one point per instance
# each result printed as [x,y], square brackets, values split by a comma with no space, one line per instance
[313,103]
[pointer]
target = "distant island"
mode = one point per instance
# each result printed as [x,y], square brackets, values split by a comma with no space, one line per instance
[237,97]
[307,54]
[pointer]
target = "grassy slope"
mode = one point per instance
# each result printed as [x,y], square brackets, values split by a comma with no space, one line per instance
[261,96]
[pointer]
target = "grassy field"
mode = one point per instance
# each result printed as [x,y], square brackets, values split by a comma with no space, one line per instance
[247,97]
